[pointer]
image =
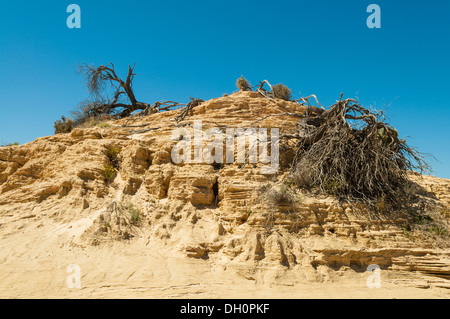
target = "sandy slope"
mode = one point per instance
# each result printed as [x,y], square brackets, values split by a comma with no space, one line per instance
[34,259]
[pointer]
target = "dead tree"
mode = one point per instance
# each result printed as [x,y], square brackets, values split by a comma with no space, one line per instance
[98,78]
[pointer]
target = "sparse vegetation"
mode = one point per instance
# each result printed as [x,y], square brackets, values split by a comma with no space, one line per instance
[65,125]
[135,214]
[87,123]
[275,196]
[430,225]
[247,211]
[281,91]
[112,152]
[109,172]
[438,230]
[332,187]
[103,125]
[105,225]
[80,119]
[380,205]
[99,121]
[407,231]
[10,144]
[118,222]
[422,219]
[242,84]
[444,212]
[432,191]
[269,220]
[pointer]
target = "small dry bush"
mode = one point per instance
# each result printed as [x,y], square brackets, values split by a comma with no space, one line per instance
[275,196]
[120,221]
[65,125]
[94,122]
[103,125]
[429,225]
[282,92]
[242,84]
[9,144]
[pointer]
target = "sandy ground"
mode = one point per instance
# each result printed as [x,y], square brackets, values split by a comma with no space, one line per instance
[34,260]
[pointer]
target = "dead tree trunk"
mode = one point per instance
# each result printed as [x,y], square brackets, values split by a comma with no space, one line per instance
[105,74]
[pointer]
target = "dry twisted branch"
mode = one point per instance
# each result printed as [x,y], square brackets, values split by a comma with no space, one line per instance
[189,106]
[306,100]
[98,78]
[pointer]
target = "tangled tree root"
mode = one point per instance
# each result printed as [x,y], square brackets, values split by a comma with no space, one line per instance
[350,152]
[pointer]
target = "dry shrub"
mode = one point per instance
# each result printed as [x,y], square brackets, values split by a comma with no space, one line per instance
[428,225]
[94,122]
[275,196]
[89,114]
[9,144]
[120,221]
[282,92]
[65,125]
[242,84]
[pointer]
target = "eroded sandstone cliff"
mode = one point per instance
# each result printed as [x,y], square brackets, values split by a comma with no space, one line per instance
[160,229]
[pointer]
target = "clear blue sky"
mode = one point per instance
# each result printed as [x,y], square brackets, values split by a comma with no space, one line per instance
[199,48]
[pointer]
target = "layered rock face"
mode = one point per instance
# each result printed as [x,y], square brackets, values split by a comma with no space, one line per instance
[59,206]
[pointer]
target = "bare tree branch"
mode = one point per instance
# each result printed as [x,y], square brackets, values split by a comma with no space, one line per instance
[191,104]
[97,77]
